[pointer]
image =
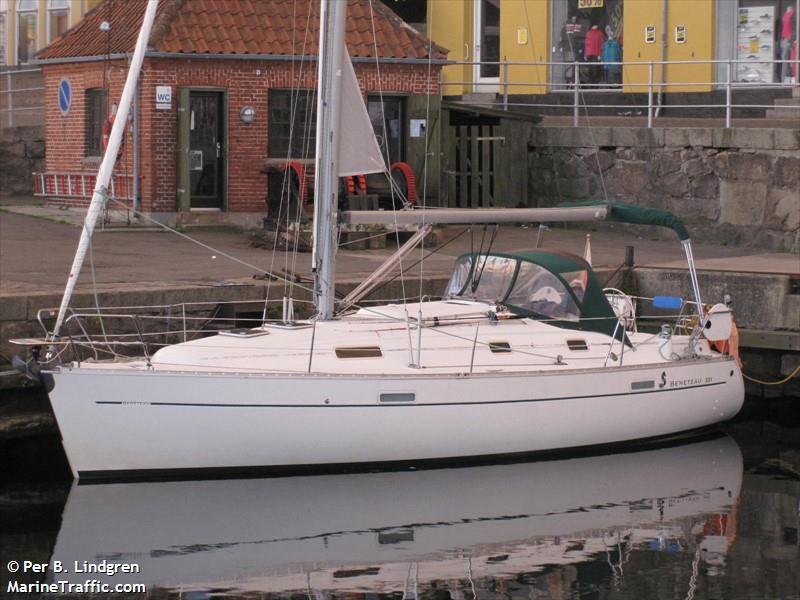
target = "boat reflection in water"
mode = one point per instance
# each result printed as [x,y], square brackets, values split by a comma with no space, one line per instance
[385,531]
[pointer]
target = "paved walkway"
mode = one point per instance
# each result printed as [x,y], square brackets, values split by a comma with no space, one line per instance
[37,244]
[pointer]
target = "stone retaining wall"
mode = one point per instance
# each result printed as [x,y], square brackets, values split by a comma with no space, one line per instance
[21,153]
[730,186]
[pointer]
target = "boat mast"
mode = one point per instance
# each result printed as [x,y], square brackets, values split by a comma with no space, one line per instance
[100,194]
[326,187]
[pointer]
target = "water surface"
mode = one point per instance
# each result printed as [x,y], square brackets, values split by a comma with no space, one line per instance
[710,517]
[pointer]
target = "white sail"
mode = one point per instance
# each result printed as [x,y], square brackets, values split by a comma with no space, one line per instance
[359,152]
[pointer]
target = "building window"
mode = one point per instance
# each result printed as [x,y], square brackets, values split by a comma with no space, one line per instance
[3,11]
[292,124]
[488,29]
[26,30]
[57,18]
[95,116]
[387,122]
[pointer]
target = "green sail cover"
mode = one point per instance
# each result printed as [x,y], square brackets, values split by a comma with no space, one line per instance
[551,286]
[640,215]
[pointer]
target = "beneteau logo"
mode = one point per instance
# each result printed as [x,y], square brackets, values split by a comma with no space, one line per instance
[663,379]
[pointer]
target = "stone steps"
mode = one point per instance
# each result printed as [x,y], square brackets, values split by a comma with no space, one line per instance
[786,108]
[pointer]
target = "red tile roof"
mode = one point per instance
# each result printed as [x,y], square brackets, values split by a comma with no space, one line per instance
[267,27]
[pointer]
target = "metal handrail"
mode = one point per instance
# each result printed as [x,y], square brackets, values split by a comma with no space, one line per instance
[576,87]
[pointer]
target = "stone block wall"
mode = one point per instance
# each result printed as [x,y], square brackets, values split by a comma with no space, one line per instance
[21,153]
[730,186]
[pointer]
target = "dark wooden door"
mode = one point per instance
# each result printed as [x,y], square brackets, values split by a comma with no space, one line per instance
[206,149]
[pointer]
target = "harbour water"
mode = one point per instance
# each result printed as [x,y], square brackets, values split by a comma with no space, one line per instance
[708,517]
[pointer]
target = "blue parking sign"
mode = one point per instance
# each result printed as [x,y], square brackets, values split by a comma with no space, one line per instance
[64,96]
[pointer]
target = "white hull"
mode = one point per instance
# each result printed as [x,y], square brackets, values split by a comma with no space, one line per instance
[126,422]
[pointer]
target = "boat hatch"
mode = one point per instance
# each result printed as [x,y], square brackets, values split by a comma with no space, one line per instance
[577,345]
[359,352]
[244,332]
[398,397]
[499,346]
[546,286]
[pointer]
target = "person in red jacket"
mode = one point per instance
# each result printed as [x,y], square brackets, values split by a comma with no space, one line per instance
[592,50]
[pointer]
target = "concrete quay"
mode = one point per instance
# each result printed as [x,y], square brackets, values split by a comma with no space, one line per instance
[142,266]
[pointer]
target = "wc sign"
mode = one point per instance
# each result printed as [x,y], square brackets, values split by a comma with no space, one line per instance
[163,97]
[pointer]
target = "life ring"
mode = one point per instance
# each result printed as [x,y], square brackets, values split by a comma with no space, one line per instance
[729,346]
[407,173]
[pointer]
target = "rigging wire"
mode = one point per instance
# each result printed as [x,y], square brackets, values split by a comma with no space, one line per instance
[576,81]
[296,74]
[211,248]
[386,143]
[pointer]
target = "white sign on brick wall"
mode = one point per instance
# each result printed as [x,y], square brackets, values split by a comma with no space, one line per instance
[163,97]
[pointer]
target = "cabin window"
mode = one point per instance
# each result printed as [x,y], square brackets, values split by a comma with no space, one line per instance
[492,277]
[359,352]
[540,291]
[482,277]
[292,124]
[460,277]
[498,347]
[577,281]
[95,116]
[643,385]
[398,397]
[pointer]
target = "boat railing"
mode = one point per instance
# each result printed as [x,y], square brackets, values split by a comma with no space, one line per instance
[136,332]
[126,331]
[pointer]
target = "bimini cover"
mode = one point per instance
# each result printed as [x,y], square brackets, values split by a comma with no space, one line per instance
[542,285]
[638,215]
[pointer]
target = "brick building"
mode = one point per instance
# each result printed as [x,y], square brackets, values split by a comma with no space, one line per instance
[225,96]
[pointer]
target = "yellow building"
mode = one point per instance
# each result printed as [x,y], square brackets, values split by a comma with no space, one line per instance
[27,26]
[531,46]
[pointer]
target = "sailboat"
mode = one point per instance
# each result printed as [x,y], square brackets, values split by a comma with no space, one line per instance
[524,353]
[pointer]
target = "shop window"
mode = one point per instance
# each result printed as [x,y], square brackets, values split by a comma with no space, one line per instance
[95,116]
[387,117]
[26,30]
[765,31]
[57,18]
[292,123]
[590,32]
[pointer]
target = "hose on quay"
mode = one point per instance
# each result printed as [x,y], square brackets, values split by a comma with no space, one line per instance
[781,382]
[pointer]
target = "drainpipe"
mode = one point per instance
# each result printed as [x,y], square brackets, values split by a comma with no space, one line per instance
[660,98]
[137,203]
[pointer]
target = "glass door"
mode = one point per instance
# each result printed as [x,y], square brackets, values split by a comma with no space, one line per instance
[486,33]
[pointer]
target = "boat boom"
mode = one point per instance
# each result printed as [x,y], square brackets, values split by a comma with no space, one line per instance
[441,216]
